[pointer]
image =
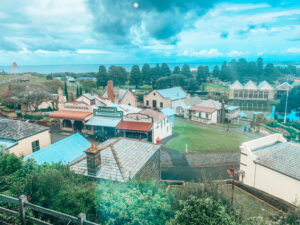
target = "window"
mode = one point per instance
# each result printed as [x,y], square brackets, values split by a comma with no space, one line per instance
[236,94]
[35,146]
[147,102]
[93,102]
[161,105]
[207,115]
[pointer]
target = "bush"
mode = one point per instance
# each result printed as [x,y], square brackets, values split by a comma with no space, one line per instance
[33,117]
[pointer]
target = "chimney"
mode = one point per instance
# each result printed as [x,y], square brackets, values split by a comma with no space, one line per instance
[93,158]
[110,91]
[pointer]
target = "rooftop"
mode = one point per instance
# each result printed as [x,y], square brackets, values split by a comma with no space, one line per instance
[120,91]
[121,159]
[211,104]
[157,116]
[168,111]
[174,93]
[192,101]
[284,86]
[203,109]
[70,114]
[16,129]
[104,121]
[135,126]
[283,157]
[64,151]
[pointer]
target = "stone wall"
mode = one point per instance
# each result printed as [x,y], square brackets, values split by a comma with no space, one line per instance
[151,170]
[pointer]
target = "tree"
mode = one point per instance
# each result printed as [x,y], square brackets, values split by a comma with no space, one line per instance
[66,91]
[102,76]
[270,73]
[135,75]
[88,85]
[165,70]
[77,92]
[186,71]
[49,77]
[36,97]
[80,91]
[225,74]
[202,74]
[146,73]
[191,85]
[52,86]
[118,74]
[293,101]
[204,210]
[176,70]
[259,68]
[216,71]
[163,82]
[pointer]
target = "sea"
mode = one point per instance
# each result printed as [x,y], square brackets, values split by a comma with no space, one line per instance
[82,68]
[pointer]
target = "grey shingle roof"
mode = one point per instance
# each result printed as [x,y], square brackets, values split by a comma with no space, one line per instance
[16,129]
[192,101]
[121,159]
[281,157]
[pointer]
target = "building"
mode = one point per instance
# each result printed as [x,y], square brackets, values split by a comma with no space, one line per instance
[137,126]
[127,109]
[93,100]
[162,128]
[120,159]
[64,151]
[170,115]
[23,138]
[203,114]
[103,123]
[73,116]
[164,98]
[272,164]
[181,106]
[232,114]
[119,96]
[282,89]
[250,96]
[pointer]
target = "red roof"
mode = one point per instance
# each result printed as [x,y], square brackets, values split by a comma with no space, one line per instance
[136,126]
[203,109]
[71,115]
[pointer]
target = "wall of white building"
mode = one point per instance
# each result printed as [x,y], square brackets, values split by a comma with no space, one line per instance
[161,129]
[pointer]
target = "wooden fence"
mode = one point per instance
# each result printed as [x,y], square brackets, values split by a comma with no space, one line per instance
[23,205]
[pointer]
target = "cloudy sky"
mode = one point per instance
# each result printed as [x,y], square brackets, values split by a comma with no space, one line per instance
[41,32]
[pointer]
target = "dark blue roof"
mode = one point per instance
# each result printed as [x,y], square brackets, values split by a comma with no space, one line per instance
[64,151]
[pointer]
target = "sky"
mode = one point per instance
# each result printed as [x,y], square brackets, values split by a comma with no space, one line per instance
[52,32]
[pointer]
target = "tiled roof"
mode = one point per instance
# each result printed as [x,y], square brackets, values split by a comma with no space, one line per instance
[126,109]
[264,85]
[103,121]
[211,104]
[236,85]
[281,157]
[202,109]
[157,116]
[64,151]
[121,92]
[121,159]
[284,86]
[174,93]
[69,114]
[16,129]
[250,85]
[192,101]
[135,126]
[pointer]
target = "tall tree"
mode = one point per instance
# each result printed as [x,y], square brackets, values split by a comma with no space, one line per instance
[77,92]
[216,71]
[102,76]
[80,91]
[186,71]
[165,70]
[259,68]
[66,91]
[176,70]
[146,73]
[135,75]
[202,74]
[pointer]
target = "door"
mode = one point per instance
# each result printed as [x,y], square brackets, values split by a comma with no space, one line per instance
[154,103]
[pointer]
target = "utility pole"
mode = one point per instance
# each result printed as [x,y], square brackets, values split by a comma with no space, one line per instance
[286,102]
[232,172]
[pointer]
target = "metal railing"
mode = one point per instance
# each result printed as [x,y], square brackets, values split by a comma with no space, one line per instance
[23,205]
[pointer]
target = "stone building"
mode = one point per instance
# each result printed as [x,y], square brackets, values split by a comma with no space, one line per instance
[120,159]
[272,164]
[119,96]
[282,90]
[23,138]
[164,98]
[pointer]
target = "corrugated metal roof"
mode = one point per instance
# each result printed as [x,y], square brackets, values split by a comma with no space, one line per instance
[7,143]
[70,114]
[174,93]
[64,151]
[192,101]
[211,104]
[103,121]
[135,126]
[281,157]
[203,109]
[168,111]
[123,161]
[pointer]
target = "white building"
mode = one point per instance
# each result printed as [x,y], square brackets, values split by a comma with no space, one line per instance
[272,164]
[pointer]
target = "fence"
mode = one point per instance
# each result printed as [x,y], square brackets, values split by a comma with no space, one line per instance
[23,204]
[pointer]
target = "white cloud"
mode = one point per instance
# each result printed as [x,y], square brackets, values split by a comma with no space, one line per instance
[293,50]
[203,53]
[261,53]
[91,51]
[235,53]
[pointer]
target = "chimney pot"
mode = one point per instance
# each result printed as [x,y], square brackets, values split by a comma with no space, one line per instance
[93,158]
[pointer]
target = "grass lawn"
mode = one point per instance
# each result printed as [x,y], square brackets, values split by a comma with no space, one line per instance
[211,87]
[229,125]
[251,207]
[204,139]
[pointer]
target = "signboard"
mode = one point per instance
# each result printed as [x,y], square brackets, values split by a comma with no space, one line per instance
[108,112]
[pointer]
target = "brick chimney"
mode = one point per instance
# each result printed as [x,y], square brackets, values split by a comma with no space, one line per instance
[93,158]
[110,91]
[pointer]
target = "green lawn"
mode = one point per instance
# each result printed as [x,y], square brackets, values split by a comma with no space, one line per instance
[211,87]
[204,139]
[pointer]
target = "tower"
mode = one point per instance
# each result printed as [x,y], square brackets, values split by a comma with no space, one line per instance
[14,68]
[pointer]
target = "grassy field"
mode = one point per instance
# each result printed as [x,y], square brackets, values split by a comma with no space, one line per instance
[204,139]
[210,87]
[251,207]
